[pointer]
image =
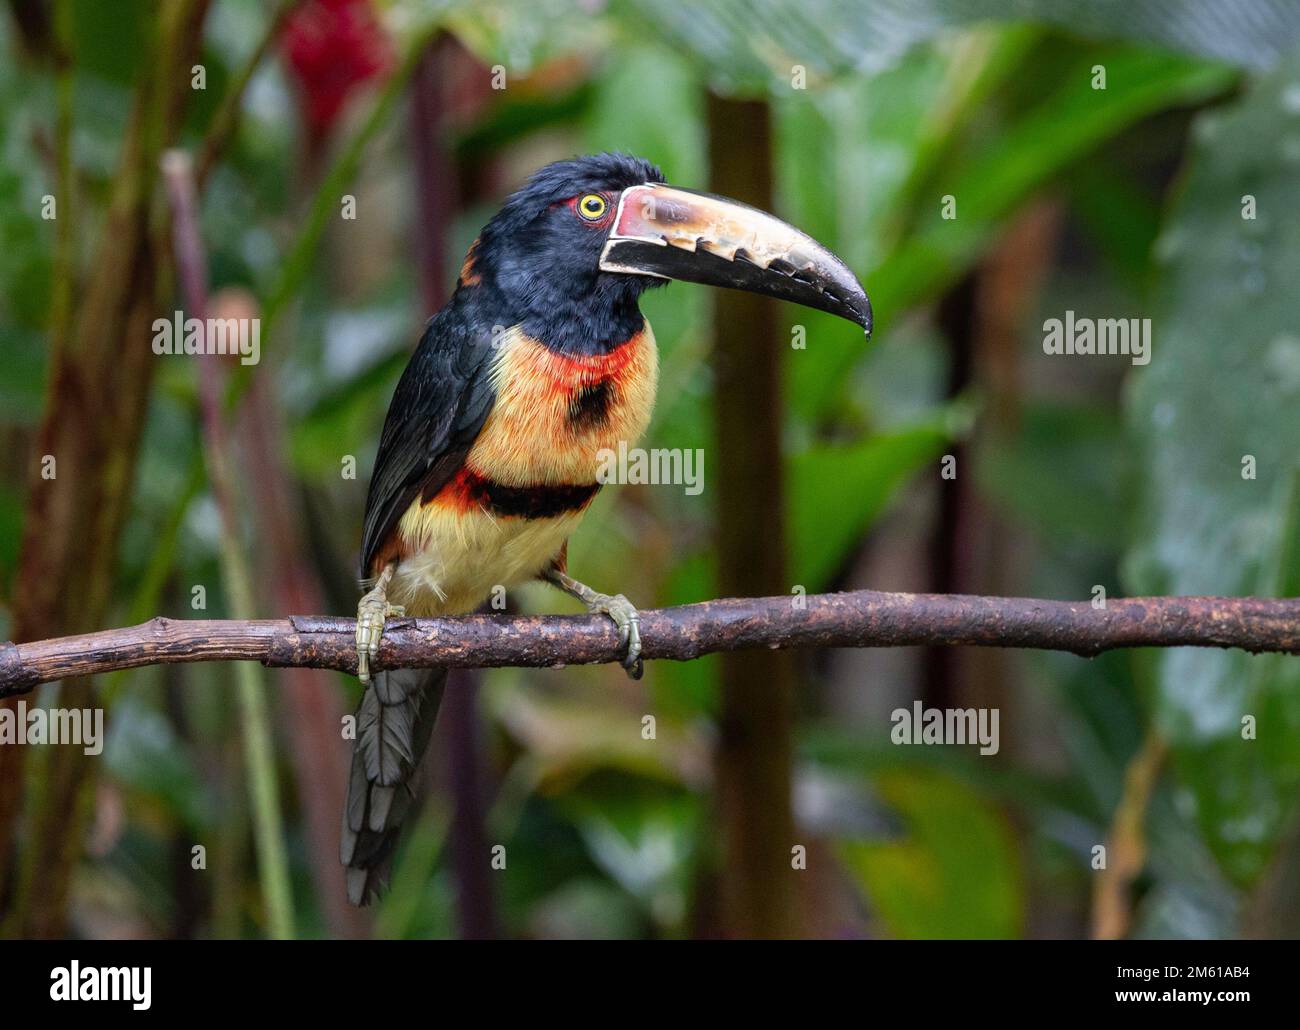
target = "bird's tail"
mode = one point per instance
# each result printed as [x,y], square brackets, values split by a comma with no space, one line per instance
[394,721]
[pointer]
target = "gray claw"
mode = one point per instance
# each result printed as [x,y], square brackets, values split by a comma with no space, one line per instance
[372,611]
[628,621]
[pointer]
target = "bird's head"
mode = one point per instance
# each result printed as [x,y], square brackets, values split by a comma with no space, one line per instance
[584,238]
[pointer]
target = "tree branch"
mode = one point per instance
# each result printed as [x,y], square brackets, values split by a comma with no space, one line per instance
[864,618]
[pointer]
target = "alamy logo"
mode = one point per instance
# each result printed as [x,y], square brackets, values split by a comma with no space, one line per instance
[1071,335]
[920,725]
[192,336]
[657,466]
[82,727]
[103,983]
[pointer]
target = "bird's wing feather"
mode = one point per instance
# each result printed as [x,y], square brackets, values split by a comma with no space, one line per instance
[441,403]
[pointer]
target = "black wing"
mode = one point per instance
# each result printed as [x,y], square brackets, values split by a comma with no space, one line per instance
[440,404]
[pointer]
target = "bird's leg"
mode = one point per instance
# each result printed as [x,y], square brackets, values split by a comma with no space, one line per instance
[372,610]
[617,607]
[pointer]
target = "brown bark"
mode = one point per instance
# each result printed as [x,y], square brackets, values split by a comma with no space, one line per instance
[1126,843]
[754,733]
[862,618]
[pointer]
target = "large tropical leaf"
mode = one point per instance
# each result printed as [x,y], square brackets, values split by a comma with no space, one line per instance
[751,45]
[1216,416]
[755,46]
[955,875]
[994,179]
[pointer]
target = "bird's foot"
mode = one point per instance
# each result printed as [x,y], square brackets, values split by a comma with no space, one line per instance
[372,611]
[618,608]
[628,621]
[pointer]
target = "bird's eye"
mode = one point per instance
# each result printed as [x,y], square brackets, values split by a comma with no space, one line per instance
[592,207]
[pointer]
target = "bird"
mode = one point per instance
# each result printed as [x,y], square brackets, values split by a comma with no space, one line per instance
[488,458]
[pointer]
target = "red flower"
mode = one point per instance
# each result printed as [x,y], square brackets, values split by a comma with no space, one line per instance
[333,46]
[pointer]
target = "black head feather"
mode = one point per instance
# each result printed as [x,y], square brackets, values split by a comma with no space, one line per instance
[537,263]
[556,182]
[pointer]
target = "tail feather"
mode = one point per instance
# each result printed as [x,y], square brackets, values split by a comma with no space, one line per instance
[394,721]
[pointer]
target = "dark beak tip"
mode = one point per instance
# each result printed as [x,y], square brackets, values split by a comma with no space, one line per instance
[700,238]
[858,309]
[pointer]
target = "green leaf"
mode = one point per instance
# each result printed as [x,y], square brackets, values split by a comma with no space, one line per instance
[145,755]
[837,492]
[1022,474]
[996,178]
[649,102]
[753,45]
[642,836]
[1222,391]
[109,39]
[957,875]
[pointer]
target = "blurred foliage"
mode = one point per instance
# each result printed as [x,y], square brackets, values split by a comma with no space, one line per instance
[991,102]
[958,873]
[746,43]
[1218,418]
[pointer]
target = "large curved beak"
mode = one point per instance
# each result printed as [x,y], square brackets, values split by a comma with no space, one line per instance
[696,237]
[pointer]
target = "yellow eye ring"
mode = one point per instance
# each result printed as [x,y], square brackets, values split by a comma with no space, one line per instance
[593,207]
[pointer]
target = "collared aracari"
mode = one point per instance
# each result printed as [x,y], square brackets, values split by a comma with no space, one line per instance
[489,454]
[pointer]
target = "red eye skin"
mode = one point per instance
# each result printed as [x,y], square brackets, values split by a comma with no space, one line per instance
[595,223]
